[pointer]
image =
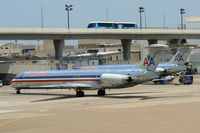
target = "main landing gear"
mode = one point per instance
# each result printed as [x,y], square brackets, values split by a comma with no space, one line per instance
[80,93]
[18,91]
[101,92]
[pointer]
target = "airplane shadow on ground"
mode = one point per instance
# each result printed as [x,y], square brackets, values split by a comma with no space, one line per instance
[57,96]
[131,95]
[106,96]
[113,95]
[140,97]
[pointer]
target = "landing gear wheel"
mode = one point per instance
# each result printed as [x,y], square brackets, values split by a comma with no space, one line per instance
[18,92]
[80,93]
[101,92]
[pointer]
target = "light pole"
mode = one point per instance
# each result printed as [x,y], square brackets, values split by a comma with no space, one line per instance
[68,8]
[141,10]
[145,19]
[182,11]
[42,18]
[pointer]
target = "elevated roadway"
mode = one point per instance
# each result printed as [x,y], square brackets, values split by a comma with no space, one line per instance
[75,34]
[125,35]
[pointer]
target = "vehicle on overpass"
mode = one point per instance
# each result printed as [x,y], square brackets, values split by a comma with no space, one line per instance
[127,25]
[92,79]
[112,25]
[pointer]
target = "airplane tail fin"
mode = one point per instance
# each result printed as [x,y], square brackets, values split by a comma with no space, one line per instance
[153,57]
[181,56]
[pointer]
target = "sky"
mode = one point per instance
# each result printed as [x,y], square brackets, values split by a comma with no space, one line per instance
[27,13]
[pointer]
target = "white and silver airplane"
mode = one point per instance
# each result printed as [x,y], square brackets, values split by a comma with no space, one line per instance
[93,79]
[175,65]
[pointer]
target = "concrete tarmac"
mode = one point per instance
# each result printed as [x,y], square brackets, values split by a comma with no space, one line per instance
[146,108]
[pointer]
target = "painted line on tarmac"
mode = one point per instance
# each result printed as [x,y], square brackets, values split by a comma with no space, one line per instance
[23,117]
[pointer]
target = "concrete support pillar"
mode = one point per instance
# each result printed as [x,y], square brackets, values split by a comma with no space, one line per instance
[153,41]
[59,45]
[126,44]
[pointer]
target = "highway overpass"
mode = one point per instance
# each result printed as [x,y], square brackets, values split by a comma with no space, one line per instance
[125,35]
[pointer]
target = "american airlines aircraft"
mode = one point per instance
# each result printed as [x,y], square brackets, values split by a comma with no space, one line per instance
[93,79]
[176,64]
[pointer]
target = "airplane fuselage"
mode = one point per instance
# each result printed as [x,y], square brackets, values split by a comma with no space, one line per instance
[163,68]
[90,79]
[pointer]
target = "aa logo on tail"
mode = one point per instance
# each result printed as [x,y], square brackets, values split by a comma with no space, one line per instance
[178,57]
[149,61]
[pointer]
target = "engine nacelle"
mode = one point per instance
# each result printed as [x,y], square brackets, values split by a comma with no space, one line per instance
[116,79]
